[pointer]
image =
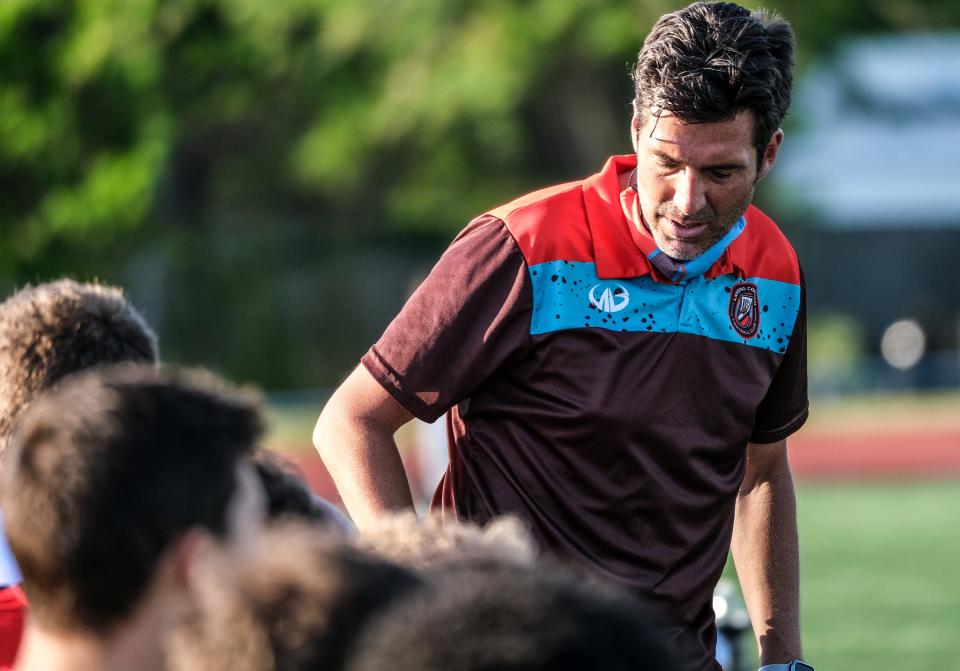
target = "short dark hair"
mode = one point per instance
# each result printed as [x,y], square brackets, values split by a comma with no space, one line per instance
[711,60]
[299,602]
[106,472]
[289,496]
[513,618]
[58,328]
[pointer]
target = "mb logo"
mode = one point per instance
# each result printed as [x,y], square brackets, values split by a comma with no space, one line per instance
[612,299]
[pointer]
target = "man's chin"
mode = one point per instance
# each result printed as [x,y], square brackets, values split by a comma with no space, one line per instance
[681,252]
[678,250]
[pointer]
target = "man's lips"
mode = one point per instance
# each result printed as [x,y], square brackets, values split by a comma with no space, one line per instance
[686,231]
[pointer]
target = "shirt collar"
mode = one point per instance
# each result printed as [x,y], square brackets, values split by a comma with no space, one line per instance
[622,245]
[615,252]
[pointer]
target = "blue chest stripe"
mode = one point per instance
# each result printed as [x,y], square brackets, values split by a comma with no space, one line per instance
[568,295]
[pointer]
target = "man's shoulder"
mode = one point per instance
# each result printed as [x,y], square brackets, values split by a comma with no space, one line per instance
[548,224]
[535,204]
[764,251]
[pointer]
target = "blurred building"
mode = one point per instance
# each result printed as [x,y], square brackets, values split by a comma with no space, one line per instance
[870,178]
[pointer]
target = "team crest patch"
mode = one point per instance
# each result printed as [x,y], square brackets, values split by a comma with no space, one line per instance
[744,309]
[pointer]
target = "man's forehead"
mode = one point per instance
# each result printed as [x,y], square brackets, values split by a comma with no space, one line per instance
[667,133]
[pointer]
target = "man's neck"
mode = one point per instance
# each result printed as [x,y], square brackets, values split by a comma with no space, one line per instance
[124,649]
[627,179]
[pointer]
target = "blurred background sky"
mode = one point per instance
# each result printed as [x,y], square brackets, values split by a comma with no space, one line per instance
[270,180]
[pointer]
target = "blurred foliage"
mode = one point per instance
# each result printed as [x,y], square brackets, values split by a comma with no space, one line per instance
[835,345]
[173,125]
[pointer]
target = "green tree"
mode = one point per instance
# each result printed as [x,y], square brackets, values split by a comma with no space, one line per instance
[226,143]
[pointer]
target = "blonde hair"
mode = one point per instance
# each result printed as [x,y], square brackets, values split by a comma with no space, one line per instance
[436,543]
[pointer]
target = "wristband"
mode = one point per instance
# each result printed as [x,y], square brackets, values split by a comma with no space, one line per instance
[795,665]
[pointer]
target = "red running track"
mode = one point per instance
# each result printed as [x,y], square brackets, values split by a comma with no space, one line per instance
[875,454]
[814,455]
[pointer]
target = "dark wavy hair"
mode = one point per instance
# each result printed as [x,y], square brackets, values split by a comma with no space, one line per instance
[711,60]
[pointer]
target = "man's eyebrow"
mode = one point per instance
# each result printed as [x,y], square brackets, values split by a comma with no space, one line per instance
[663,156]
[725,166]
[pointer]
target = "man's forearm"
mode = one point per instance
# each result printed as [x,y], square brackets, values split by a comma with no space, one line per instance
[767,560]
[364,462]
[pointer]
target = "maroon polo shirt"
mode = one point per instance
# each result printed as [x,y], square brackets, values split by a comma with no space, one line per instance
[601,391]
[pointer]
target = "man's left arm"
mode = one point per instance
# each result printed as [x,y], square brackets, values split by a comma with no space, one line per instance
[765,552]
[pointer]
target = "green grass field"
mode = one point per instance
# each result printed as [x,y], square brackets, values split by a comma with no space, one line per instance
[880,580]
[880,587]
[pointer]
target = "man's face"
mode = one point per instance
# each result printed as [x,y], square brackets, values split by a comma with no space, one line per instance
[696,180]
[201,558]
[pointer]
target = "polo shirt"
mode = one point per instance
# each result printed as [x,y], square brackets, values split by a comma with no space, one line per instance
[13,603]
[601,391]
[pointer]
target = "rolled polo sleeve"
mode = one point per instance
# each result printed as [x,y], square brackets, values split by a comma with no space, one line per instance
[468,318]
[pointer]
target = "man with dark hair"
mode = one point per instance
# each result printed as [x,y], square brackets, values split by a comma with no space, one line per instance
[508,617]
[46,333]
[297,602]
[289,496]
[621,358]
[112,488]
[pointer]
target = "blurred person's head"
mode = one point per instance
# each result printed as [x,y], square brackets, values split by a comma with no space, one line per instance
[712,85]
[512,618]
[113,485]
[298,602]
[434,542]
[289,497]
[58,328]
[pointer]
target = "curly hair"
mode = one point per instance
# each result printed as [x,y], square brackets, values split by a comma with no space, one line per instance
[58,328]
[711,60]
[298,601]
[520,618]
[432,543]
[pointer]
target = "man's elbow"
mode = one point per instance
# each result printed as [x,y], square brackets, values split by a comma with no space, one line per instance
[319,432]
[330,424]
[360,414]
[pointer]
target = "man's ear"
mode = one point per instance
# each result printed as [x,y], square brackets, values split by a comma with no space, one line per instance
[635,131]
[184,557]
[770,153]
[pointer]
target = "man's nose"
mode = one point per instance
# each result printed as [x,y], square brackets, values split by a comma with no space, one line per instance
[689,196]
